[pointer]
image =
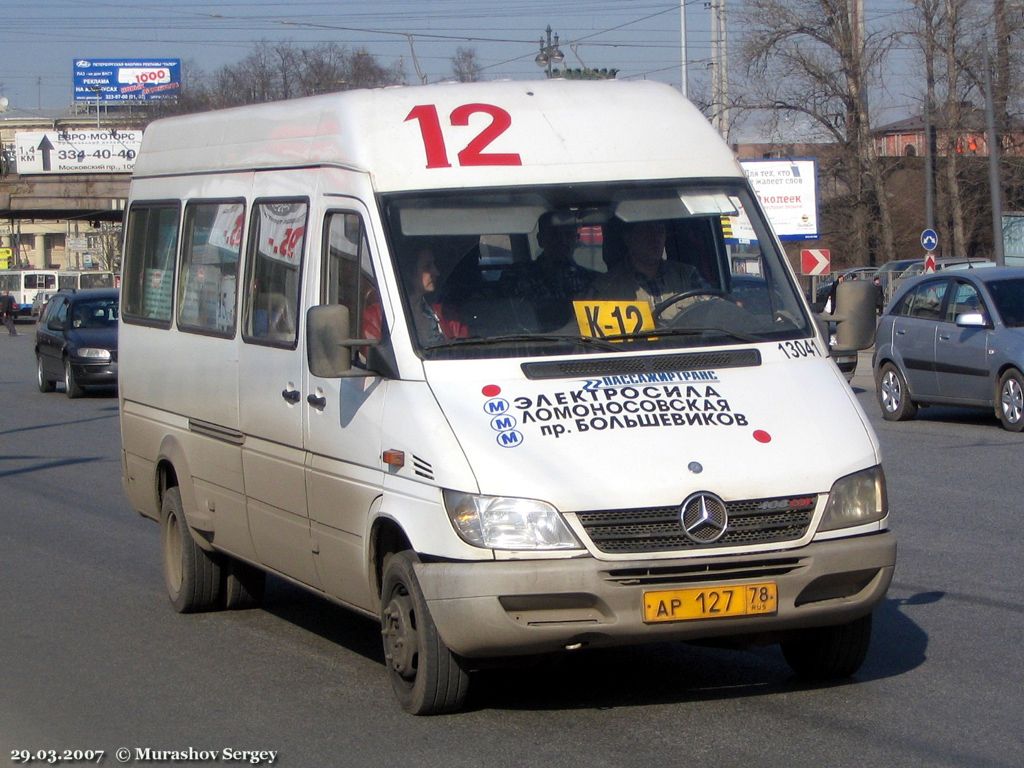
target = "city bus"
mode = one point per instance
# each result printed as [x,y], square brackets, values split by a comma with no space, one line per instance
[24,284]
[88,279]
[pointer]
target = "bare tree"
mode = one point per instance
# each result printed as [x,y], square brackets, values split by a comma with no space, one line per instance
[274,72]
[811,60]
[950,35]
[465,66]
[106,245]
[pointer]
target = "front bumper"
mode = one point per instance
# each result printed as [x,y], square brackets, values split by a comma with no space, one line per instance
[95,374]
[509,608]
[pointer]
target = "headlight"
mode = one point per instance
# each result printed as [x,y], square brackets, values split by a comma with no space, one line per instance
[855,500]
[93,353]
[499,522]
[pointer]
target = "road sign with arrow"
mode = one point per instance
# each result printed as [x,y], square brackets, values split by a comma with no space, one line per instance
[77,151]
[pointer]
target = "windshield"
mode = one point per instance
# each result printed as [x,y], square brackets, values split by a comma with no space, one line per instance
[94,313]
[589,268]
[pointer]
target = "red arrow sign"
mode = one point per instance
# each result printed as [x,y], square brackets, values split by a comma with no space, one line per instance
[815,261]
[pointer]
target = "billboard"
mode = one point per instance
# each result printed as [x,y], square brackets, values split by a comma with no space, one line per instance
[788,192]
[77,150]
[120,80]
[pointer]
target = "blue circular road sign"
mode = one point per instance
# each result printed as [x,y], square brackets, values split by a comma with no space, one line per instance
[929,239]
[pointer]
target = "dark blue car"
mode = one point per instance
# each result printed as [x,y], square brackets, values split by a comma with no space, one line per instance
[76,340]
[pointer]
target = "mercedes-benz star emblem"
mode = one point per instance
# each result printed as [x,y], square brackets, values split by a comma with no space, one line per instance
[704,518]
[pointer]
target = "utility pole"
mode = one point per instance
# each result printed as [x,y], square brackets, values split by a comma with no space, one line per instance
[994,181]
[930,144]
[682,47]
[719,68]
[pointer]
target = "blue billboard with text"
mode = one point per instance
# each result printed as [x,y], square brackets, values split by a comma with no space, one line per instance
[119,80]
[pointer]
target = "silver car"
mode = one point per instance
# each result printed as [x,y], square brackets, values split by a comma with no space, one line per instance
[954,337]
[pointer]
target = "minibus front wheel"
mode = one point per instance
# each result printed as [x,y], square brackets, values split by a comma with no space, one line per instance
[427,678]
[828,653]
[191,574]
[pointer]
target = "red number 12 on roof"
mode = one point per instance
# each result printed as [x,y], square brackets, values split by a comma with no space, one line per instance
[473,154]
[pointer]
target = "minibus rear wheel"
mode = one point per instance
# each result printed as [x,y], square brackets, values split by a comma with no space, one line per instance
[427,678]
[828,653]
[191,574]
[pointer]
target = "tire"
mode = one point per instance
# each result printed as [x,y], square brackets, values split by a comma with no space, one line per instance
[71,387]
[192,575]
[427,678]
[243,585]
[828,653]
[45,384]
[894,394]
[1010,401]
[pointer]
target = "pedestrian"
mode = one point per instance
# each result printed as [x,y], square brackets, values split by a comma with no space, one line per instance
[830,302]
[8,309]
[879,294]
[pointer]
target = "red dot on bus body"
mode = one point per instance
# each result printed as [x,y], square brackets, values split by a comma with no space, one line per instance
[491,390]
[761,436]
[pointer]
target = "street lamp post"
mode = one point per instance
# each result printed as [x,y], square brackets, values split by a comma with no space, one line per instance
[549,54]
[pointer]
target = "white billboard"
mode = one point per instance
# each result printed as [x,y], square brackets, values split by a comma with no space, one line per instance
[77,150]
[788,192]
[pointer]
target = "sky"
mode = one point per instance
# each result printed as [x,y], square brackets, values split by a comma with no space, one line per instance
[40,39]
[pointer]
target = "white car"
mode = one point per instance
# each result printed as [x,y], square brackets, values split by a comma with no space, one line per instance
[40,301]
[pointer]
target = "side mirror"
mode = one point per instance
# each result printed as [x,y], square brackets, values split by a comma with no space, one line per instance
[972,320]
[854,315]
[328,346]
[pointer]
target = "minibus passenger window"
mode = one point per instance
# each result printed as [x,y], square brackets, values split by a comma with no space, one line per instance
[208,276]
[348,276]
[276,246]
[152,245]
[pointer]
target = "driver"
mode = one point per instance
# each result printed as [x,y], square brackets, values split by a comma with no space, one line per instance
[645,275]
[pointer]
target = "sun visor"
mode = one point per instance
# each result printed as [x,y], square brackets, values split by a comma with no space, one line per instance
[488,220]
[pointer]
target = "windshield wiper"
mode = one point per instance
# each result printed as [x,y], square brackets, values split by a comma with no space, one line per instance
[659,333]
[482,341]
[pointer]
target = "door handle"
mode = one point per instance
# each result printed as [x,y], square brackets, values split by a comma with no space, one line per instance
[901,333]
[291,395]
[944,337]
[317,402]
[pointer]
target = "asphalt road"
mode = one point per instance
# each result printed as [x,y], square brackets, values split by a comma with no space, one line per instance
[93,657]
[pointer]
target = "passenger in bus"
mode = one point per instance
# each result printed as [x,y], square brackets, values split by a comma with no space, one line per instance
[645,274]
[433,322]
[553,280]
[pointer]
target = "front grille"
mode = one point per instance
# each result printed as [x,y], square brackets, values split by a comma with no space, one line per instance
[659,529]
[639,366]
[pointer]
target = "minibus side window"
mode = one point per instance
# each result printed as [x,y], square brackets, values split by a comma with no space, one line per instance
[277,242]
[348,276]
[151,247]
[208,274]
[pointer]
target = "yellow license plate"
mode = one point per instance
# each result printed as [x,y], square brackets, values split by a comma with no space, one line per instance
[599,319]
[711,602]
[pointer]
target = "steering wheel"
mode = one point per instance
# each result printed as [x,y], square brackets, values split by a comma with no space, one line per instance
[676,298]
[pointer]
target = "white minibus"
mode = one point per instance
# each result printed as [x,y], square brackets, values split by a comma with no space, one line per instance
[471,359]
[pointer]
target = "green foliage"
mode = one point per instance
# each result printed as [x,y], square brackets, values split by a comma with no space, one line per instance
[586,73]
